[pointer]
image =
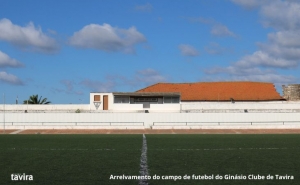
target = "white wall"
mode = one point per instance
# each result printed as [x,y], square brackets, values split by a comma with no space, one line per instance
[239,105]
[127,107]
[47,108]
[149,120]
[184,106]
[174,107]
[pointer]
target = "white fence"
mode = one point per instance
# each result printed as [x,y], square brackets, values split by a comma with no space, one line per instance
[203,107]
[278,106]
[149,120]
[45,107]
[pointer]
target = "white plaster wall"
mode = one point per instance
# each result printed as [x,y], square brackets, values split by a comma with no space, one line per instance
[165,107]
[184,106]
[127,107]
[153,107]
[41,108]
[239,105]
[149,120]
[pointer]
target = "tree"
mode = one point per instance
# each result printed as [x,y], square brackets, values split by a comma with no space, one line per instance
[35,100]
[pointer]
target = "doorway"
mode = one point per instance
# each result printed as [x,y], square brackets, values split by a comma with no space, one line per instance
[105,102]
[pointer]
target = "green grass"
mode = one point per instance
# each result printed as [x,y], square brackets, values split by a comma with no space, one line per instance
[91,159]
[69,159]
[224,154]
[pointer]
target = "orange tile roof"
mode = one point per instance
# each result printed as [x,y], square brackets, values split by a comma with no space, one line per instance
[219,91]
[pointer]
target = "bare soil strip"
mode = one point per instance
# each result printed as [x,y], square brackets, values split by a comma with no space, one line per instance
[157,131]
[17,132]
[7,131]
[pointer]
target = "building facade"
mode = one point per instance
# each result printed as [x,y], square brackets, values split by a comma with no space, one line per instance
[135,101]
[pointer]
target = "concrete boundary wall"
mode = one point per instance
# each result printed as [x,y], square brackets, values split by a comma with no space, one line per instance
[43,108]
[149,120]
[258,106]
[203,107]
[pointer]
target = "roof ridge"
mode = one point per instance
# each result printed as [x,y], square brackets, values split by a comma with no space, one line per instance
[148,86]
[234,82]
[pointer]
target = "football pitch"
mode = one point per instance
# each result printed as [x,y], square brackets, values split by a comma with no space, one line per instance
[170,159]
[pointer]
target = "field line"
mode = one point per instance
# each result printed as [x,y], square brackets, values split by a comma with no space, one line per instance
[143,164]
[234,149]
[18,131]
[67,149]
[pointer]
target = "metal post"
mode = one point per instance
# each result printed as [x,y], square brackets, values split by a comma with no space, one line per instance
[3,113]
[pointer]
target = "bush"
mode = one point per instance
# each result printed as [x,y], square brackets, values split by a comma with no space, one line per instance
[77,111]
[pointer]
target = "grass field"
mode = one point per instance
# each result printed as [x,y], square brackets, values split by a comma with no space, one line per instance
[92,159]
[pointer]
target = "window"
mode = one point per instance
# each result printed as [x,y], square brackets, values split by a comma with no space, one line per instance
[97,97]
[121,99]
[171,99]
[145,99]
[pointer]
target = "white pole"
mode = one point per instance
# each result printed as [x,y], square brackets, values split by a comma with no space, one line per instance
[3,113]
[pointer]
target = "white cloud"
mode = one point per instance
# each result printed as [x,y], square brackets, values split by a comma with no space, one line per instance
[260,58]
[6,61]
[291,54]
[282,15]
[144,8]
[285,38]
[107,38]
[28,38]
[188,50]
[236,73]
[275,78]
[10,79]
[221,31]
[279,14]
[282,49]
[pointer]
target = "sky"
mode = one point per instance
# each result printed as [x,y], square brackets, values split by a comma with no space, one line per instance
[63,50]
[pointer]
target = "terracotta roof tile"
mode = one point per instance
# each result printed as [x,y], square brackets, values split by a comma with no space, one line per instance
[219,91]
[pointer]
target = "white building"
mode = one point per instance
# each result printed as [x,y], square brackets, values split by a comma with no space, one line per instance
[136,101]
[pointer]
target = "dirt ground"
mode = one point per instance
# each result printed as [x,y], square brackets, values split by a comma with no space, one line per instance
[156,131]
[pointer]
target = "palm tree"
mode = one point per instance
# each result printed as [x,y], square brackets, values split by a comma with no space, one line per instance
[35,100]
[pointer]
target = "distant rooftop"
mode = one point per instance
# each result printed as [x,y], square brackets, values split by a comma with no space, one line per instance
[219,91]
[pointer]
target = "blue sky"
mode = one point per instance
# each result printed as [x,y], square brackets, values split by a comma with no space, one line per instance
[63,50]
